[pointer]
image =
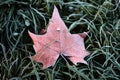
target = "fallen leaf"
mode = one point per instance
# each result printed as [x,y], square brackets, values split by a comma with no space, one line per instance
[58,41]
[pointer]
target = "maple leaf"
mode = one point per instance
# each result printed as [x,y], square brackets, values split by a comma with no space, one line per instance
[58,41]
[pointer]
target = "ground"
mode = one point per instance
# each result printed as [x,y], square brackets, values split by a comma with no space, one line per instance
[100,18]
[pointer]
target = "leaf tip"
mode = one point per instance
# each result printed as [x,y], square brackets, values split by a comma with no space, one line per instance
[33,36]
[55,14]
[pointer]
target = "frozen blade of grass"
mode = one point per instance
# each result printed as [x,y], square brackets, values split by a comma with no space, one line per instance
[6,67]
[18,40]
[11,66]
[9,24]
[115,62]
[11,32]
[16,78]
[49,76]
[39,14]
[73,15]
[66,73]
[79,73]
[27,75]
[80,4]
[35,70]
[34,21]
[74,24]
[112,70]
[117,26]
[95,53]
[21,12]
[118,63]
[112,43]
[102,31]
[12,1]
[4,53]
[24,68]
[92,27]
[107,59]
[5,2]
